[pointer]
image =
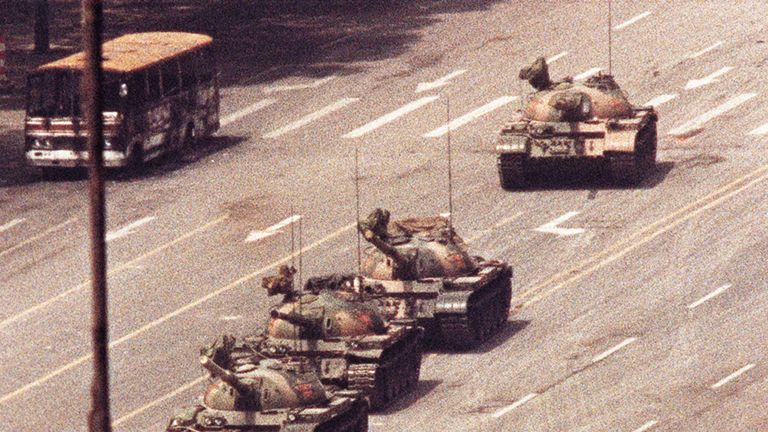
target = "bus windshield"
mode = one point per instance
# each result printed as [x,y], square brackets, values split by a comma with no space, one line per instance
[56,93]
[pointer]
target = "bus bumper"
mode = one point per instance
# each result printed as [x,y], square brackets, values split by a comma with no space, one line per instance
[72,159]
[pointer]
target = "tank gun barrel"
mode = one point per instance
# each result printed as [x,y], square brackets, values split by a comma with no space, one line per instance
[297,320]
[223,374]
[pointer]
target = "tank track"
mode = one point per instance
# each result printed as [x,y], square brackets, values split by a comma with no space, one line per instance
[512,171]
[630,168]
[385,382]
[486,314]
[355,420]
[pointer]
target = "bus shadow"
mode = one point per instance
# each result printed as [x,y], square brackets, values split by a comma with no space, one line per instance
[169,163]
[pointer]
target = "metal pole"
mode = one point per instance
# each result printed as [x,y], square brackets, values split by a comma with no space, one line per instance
[610,31]
[450,171]
[99,419]
[357,207]
[42,27]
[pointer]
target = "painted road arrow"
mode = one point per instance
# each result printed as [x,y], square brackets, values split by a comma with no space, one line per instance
[553,228]
[709,79]
[440,82]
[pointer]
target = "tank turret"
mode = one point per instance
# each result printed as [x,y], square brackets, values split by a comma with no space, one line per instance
[458,299]
[412,249]
[269,394]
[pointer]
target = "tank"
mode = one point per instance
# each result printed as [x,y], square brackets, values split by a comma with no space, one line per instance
[271,395]
[576,121]
[347,339]
[420,269]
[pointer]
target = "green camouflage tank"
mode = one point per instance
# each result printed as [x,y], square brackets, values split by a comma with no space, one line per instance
[271,395]
[570,121]
[419,268]
[347,339]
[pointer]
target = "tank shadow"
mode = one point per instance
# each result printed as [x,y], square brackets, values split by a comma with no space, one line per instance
[423,388]
[512,327]
[588,176]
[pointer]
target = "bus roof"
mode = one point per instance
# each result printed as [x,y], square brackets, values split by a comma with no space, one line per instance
[136,51]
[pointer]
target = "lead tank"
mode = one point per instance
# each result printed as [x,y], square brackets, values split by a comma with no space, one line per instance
[347,339]
[576,121]
[271,395]
[419,268]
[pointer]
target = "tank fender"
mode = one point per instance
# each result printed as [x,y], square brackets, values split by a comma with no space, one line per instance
[622,140]
[511,143]
[333,368]
[367,354]
[452,302]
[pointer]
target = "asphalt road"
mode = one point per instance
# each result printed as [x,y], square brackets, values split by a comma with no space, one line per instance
[650,315]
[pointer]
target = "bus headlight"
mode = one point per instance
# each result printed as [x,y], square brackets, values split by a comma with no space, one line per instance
[107,144]
[39,143]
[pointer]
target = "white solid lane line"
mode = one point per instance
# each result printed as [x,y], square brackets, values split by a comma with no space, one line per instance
[11,224]
[388,118]
[292,87]
[709,79]
[509,408]
[760,130]
[699,121]
[661,99]
[709,296]
[646,426]
[732,376]
[587,73]
[557,57]
[440,82]
[632,20]
[468,117]
[604,355]
[553,228]
[274,229]
[237,115]
[36,237]
[706,50]
[322,112]
[128,229]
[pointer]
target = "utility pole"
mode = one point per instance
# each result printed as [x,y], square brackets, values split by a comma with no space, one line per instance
[99,417]
[42,27]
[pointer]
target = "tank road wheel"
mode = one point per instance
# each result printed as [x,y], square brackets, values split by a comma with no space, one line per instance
[512,171]
[648,154]
[625,168]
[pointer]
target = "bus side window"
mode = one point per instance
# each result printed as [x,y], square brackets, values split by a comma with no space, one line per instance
[188,79]
[137,89]
[171,83]
[154,90]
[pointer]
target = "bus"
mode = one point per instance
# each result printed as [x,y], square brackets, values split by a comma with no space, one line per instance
[160,92]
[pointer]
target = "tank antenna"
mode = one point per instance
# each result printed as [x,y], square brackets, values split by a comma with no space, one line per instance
[293,252]
[301,233]
[610,31]
[450,173]
[357,205]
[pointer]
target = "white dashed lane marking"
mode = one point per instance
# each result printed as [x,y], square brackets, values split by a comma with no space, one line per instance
[237,115]
[509,408]
[760,130]
[709,296]
[588,73]
[472,115]
[646,426]
[440,82]
[274,229]
[294,87]
[632,20]
[388,118]
[706,50]
[732,376]
[339,104]
[557,57]
[11,224]
[606,354]
[660,100]
[128,229]
[698,122]
[709,79]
